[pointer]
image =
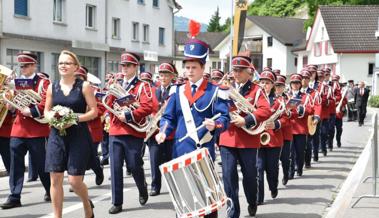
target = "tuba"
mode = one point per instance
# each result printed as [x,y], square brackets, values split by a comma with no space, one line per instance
[117,91]
[4,74]
[242,105]
[23,99]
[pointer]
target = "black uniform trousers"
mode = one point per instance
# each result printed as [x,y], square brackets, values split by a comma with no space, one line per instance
[37,150]
[159,154]
[129,149]
[297,153]
[339,130]
[285,158]
[5,152]
[268,160]
[247,158]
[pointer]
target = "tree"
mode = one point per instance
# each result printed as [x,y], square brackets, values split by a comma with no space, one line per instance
[226,26]
[214,23]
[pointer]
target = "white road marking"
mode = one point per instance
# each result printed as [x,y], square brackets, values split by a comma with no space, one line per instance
[80,205]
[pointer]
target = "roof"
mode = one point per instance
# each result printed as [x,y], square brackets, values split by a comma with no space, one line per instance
[351,29]
[288,31]
[211,38]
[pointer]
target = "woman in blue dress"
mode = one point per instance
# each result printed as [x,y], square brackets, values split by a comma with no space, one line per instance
[71,152]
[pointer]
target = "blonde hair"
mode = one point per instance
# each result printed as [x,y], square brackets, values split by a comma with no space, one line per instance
[72,55]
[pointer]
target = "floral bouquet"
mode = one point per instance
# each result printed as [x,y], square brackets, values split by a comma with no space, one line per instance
[60,117]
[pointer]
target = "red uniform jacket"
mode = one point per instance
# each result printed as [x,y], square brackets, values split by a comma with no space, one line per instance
[27,127]
[335,96]
[6,127]
[300,115]
[322,110]
[276,135]
[144,97]
[340,114]
[286,127]
[237,137]
[96,126]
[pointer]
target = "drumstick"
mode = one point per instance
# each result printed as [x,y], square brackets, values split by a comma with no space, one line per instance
[199,127]
[164,127]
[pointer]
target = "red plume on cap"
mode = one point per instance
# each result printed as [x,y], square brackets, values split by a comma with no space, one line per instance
[194,28]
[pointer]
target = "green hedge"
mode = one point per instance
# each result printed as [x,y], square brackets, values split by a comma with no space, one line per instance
[374,101]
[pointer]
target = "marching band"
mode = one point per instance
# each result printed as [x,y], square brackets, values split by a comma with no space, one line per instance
[253,123]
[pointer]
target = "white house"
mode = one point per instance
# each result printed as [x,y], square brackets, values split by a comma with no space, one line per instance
[270,41]
[342,38]
[96,30]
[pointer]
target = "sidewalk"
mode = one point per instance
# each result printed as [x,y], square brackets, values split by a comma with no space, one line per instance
[367,207]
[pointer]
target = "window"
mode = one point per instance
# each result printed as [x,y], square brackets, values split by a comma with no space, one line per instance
[371,67]
[269,62]
[295,62]
[142,67]
[146,33]
[11,59]
[116,28]
[305,61]
[156,3]
[161,36]
[141,2]
[135,31]
[318,49]
[214,65]
[21,7]
[113,66]
[58,11]
[328,48]
[92,64]
[90,16]
[269,41]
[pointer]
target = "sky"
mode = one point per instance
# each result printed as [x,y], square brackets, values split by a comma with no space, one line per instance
[202,10]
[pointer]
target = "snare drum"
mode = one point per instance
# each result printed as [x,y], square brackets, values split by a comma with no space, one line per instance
[194,185]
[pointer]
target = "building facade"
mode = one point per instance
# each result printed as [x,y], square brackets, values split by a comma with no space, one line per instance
[270,41]
[97,31]
[342,38]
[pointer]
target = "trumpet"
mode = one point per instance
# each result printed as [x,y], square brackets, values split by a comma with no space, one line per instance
[117,91]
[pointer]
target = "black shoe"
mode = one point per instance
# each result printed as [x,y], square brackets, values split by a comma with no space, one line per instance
[10,204]
[315,159]
[154,193]
[259,203]
[274,194]
[71,189]
[252,209]
[47,197]
[143,199]
[308,165]
[92,206]
[291,176]
[128,172]
[284,181]
[219,163]
[31,180]
[299,172]
[324,153]
[330,148]
[100,178]
[115,209]
[339,145]
[104,162]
